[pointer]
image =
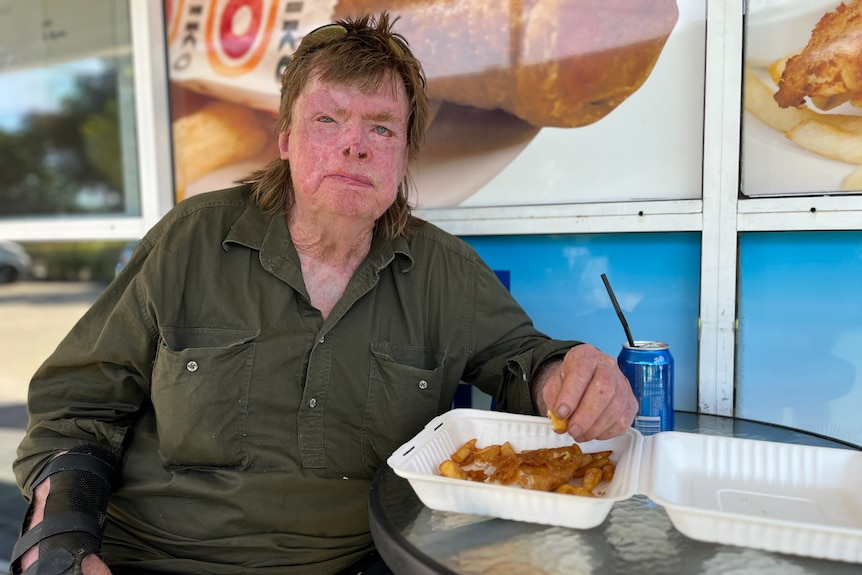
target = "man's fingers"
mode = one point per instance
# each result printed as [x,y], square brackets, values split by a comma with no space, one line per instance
[614,420]
[594,395]
[597,408]
[576,373]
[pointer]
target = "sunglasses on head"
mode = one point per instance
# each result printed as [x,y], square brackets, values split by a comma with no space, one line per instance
[332,31]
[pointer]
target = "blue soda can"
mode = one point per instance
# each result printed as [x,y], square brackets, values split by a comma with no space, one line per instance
[649,368]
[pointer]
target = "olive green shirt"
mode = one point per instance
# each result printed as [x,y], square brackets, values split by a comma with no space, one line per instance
[248,426]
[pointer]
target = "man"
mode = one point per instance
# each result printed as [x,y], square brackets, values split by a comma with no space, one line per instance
[224,405]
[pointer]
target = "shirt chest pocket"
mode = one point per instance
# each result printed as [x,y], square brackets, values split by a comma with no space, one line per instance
[405,387]
[200,390]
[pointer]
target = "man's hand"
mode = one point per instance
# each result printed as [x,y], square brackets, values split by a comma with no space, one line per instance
[588,388]
[91,565]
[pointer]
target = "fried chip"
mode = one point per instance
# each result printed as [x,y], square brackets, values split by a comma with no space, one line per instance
[451,469]
[558,424]
[464,451]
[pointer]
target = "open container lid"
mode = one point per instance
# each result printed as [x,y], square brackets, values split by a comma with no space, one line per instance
[795,499]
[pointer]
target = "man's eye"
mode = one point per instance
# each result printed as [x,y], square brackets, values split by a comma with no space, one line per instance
[325,119]
[382,130]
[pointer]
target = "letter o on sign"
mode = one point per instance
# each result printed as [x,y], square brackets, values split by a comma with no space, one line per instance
[238,33]
[239,25]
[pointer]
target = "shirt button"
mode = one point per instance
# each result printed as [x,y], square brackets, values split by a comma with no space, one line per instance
[423,384]
[192,366]
[312,402]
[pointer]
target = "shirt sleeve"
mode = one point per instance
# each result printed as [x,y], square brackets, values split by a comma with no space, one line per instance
[91,387]
[507,349]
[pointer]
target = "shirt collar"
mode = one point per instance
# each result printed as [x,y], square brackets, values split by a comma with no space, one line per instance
[250,229]
[383,252]
[268,234]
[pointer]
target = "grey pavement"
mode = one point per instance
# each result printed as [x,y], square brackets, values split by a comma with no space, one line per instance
[34,318]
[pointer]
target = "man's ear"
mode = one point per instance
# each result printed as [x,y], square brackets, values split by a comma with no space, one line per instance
[283,140]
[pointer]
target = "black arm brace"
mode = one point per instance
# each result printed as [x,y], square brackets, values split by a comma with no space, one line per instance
[82,481]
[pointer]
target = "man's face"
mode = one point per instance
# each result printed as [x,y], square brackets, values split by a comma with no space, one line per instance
[347,149]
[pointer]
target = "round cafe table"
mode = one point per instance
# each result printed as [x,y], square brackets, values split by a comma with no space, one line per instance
[637,537]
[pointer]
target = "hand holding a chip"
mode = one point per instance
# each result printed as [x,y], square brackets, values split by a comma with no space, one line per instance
[585,394]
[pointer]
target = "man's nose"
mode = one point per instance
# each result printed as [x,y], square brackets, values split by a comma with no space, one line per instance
[355,143]
[356,151]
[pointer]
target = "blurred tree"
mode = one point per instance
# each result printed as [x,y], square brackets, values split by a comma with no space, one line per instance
[48,164]
[102,144]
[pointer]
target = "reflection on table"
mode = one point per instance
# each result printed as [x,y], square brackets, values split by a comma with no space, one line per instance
[636,537]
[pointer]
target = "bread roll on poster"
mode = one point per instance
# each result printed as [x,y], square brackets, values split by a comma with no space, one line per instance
[561,63]
[217,134]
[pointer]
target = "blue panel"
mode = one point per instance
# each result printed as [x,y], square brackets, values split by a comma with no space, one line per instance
[655,277]
[800,331]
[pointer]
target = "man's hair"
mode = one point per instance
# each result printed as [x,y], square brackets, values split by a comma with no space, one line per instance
[360,52]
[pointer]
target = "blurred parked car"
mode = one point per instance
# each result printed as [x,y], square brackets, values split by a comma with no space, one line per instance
[15,263]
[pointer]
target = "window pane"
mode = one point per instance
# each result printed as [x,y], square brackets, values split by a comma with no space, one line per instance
[800,331]
[67,130]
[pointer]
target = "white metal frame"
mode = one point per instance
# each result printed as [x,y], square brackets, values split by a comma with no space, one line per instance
[720,216]
[720,192]
[646,216]
[154,127]
[153,140]
[808,213]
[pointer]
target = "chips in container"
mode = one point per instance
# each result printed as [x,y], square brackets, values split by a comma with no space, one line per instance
[786,498]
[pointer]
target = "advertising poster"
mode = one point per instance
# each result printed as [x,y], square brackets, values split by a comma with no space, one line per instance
[547,102]
[802,123]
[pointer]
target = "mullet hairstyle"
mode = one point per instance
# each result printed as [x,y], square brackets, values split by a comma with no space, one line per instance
[358,52]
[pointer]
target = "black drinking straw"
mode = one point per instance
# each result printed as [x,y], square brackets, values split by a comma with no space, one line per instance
[619,311]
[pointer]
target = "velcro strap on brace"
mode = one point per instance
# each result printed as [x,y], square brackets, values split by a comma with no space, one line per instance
[54,525]
[75,511]
[77,461]
[57,561]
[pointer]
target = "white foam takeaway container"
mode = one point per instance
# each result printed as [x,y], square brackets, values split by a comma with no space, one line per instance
[795,499]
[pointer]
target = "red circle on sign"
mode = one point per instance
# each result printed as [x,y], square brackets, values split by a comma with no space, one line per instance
[238,45]
[224,62]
